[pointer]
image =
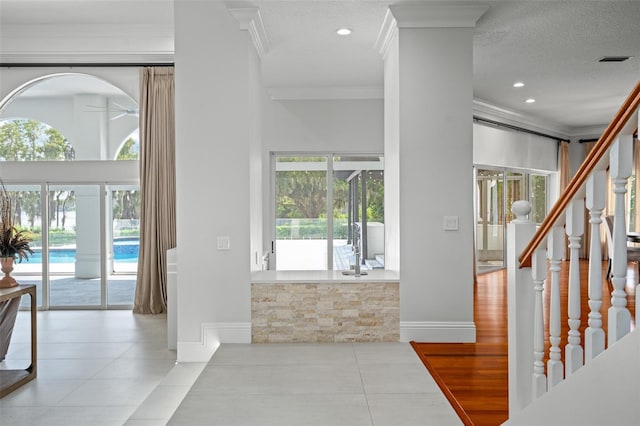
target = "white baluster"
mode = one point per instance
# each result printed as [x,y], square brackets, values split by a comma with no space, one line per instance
[620,161]
[575,229]
[555,251]
[596,194]
[637,316]
[538,272]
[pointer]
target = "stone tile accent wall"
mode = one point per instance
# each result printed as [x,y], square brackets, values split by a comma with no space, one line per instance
[325,312]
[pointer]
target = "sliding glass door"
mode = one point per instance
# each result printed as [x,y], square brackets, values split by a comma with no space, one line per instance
[85,239]
[495,192]
[74,246]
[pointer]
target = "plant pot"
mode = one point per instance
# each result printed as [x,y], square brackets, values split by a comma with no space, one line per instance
[7,266]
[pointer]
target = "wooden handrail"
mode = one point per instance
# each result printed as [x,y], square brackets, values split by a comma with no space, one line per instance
[630,105]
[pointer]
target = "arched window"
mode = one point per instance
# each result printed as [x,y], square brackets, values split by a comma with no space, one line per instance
[31,140]
[130,148]
[88,113]
[82,215]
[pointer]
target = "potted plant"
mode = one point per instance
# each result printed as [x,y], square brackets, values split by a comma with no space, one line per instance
[13,243]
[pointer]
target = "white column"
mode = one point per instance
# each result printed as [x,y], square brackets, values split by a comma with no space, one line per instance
[575,229]
[90,134]
[596,195]
[87,231]
[428,54]
[520,309]
[555,251]
[620,163]
[539,273]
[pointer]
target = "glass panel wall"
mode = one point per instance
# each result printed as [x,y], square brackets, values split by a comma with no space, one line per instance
[301,212]
[74,246]
[124,244]
[496,191]
[489,219]
[307,187]
[25,204]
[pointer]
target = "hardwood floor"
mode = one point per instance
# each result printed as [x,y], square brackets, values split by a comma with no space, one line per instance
[474,375]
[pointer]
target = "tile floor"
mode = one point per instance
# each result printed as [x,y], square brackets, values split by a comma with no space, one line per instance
[104,368]
[360,384]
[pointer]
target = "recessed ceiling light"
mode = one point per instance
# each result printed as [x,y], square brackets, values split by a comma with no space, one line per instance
[518,84]
[343,31]
[530,100]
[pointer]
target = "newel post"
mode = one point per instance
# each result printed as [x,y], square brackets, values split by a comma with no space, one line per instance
[520,296]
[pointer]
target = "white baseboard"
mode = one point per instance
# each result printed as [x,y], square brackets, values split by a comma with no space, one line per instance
[212,335]
[438,331]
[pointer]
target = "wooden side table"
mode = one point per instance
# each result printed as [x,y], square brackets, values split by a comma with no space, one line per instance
[10,380]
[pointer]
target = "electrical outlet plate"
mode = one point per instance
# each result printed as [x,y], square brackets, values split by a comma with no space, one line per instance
[224,243]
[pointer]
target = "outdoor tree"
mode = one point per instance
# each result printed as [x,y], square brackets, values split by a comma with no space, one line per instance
[31,140]
[126,203]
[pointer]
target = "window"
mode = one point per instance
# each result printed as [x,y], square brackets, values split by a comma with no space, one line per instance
[83,217]
[495,192]
[318,199]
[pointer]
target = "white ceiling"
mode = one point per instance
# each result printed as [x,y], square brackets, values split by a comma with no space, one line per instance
[552,46]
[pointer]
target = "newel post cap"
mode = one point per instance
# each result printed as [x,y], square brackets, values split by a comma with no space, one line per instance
[521,210]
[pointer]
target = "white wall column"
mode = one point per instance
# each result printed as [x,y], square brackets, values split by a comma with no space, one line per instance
[87,231]
[214,135]
[428,52]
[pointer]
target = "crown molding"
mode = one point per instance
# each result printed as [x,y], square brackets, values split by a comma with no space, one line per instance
[484,109]
[438,15]
[250,20]
[388,32]
[325,93]
[65,57]
[87,30]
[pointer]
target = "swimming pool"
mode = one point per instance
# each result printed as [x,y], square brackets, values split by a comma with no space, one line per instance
[125,250]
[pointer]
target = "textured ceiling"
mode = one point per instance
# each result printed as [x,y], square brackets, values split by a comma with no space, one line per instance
[553,46]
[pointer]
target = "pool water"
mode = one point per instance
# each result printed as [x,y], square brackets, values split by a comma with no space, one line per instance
[123,251]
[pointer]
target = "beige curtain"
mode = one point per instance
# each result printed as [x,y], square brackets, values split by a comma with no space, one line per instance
[157,188]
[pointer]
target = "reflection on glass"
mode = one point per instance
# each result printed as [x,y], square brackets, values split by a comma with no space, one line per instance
[490,219]
[301,213]
[25,203]
[74,245]
[125,243]
[358,197]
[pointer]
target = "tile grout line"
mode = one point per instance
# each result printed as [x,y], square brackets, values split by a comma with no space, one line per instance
[364,391]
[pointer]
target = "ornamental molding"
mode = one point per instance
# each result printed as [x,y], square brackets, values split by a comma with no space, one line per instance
[249,19]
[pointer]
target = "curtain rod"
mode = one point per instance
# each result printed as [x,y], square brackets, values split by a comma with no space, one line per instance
[588,140]
[520,129]
[86,64]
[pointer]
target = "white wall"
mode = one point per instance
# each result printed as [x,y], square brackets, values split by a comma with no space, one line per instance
[213,145]
[509,148]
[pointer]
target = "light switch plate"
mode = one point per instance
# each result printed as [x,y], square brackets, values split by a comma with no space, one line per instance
[450,223]
[224,243]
